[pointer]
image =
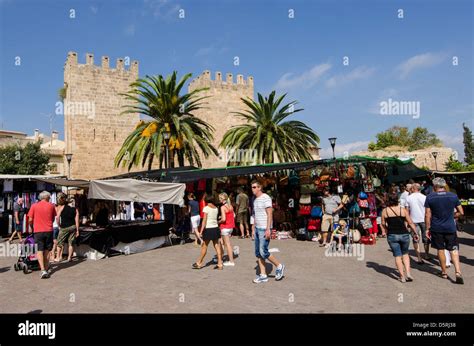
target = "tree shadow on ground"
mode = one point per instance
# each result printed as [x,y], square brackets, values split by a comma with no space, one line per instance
[379,268]
[466,241]
[268,268]
[465,260]
[55,267]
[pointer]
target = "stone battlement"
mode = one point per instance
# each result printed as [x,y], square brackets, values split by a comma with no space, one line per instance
[205,80]
[72,60]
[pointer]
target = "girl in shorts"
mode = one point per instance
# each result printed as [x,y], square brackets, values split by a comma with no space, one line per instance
[210,232]
[227,224]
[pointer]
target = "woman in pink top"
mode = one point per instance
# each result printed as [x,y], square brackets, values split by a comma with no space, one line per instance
[227,225]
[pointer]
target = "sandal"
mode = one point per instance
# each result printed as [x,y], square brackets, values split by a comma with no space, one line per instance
[196,266]
[459,279]
[409,278]
[219,267]
[443,275]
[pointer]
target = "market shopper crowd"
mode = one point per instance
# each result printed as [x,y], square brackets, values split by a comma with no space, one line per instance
[424,214]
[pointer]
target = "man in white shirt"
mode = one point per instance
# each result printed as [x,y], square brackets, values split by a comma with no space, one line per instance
[416,206]
[404,195]
[263,212]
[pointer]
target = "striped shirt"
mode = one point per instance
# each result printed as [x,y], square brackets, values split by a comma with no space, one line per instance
[259,205]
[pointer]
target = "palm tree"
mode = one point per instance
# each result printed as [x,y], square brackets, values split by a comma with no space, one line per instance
[268,135]
[160,99]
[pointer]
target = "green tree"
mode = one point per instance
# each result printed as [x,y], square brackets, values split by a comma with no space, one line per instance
[160,99]
[468,145]
[30,159]
[453,165]
[419,138]
[269,134]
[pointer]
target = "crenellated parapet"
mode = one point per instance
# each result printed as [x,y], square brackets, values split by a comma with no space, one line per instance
[204,80]
[120,66]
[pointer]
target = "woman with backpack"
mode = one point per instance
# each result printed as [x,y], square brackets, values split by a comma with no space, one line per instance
[394,223]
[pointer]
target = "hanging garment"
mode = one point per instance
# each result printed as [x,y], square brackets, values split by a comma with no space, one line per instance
[202,185]
[8,185]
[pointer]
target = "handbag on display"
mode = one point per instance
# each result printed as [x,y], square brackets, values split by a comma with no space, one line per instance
[355,235]
[307,188]
[305,199]
[363,195]
[314,225]
[363,203]
[350,172]
[354,209]
[368,239]
[366,223]
[305,209]
[316,212]
[340,189]
[376,182]
[368,187]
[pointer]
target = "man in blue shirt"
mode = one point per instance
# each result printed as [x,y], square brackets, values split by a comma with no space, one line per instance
[440,225]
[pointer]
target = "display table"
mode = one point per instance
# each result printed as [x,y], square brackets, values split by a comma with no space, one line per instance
[103,239]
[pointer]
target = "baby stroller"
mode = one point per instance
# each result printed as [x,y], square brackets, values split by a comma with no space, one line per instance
[27,260]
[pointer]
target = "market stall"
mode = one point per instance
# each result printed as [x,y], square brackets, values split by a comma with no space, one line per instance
[120,236]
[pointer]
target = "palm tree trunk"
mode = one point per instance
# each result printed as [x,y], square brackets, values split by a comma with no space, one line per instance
[150,161]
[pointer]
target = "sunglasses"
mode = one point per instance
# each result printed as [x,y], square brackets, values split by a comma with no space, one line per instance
[254,187]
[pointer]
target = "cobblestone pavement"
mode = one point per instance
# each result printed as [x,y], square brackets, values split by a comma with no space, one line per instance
[162,280]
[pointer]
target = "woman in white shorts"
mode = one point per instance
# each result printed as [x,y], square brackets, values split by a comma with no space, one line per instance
[193,208]
[227,224]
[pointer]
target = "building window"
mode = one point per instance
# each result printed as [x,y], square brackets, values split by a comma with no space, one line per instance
[53,168]
[94,134]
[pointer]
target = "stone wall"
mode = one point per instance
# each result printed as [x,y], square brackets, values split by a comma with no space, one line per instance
[225,98]
[93,126]
[422,157]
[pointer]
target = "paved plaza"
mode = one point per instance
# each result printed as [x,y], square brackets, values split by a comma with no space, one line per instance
[162,281]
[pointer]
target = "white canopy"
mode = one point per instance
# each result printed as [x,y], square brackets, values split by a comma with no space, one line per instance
[137,191]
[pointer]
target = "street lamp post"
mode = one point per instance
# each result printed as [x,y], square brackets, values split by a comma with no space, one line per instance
[166,137]
[435,155]
[69,158]
[332,140]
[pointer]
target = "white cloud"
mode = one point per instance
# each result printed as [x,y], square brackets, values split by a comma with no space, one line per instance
[164,9]
[305,80]
[130,30]
[360,72]
[342,149]
[419,61]
[94,9]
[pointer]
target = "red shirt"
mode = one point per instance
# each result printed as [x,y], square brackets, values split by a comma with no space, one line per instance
[202,204]
[42,214]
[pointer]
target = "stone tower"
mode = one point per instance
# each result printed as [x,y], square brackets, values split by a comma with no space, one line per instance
[94,129]
[225,98]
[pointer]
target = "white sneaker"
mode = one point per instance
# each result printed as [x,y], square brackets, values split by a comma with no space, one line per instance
[229,264]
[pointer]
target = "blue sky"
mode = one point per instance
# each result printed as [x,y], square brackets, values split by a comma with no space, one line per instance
[405,59]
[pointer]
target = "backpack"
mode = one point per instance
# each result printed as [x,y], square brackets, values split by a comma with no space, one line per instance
[316,212]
